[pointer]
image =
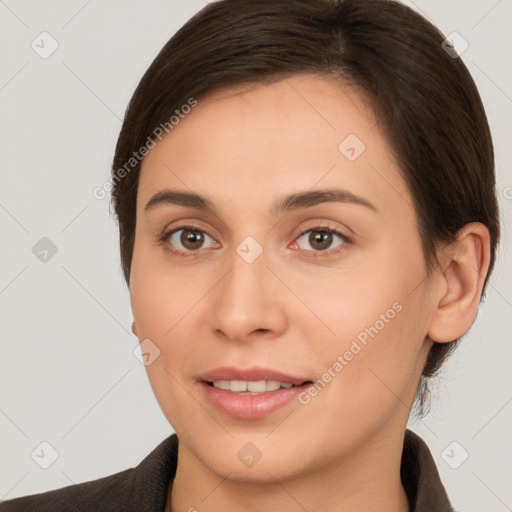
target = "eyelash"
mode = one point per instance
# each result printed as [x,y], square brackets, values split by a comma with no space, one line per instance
[164,237]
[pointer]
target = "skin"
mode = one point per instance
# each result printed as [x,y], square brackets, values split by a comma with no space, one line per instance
[243,148]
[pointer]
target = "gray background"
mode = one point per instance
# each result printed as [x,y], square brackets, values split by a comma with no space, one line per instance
[68,374]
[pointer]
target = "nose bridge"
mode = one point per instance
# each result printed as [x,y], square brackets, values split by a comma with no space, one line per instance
[248,277]
[247,298]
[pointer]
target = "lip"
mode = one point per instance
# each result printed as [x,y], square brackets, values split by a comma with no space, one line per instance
[254,373]
[250,406]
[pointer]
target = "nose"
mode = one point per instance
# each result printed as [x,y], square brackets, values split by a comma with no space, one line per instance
[249,302]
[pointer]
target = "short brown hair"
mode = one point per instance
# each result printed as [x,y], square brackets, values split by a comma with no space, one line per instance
[423,97]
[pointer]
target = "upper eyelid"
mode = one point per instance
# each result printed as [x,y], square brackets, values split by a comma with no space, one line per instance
[318,224]
[320,227]
[314,223]
[184,224]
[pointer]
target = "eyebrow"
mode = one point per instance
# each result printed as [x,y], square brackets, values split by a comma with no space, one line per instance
[283,205]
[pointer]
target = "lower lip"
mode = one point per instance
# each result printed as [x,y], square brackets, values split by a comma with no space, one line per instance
[251,407]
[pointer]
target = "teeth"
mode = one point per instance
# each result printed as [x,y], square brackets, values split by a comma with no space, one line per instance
[222,384]
[259,386]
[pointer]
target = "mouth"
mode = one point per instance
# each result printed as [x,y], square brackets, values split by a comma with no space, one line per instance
[253,387]
[251,378]
[250,393]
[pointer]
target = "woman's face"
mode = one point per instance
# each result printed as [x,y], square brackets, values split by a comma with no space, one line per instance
[331,292]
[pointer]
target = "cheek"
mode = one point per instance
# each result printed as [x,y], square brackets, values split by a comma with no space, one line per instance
[379,314]
[378,296]
[160,313]
[377,374]
[166,303]
[160,294]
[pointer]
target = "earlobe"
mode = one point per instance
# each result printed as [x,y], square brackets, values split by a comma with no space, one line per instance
[134,328]
[465,263]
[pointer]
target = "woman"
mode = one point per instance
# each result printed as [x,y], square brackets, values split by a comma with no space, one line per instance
[305,237]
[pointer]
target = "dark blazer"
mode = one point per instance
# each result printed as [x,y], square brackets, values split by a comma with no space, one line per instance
[144,488]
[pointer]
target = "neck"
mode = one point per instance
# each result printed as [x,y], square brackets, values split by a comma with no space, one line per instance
[366,479]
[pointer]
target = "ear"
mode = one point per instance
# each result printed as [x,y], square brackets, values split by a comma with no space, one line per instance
[134,328]
[464,266]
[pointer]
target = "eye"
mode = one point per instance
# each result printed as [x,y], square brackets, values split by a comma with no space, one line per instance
[190,239]
[321,238]
[186,238]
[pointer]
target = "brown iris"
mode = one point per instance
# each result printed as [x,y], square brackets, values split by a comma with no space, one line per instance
[191,239]
[322,238]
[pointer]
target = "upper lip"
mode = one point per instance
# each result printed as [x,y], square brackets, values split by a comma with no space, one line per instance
[250,374]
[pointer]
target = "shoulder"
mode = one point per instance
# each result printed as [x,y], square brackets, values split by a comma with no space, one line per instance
[420,476]
[143,487]
[85,496]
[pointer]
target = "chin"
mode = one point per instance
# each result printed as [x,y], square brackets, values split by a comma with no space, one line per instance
[253,458]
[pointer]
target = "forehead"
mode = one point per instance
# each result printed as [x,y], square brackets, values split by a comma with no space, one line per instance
[264,140]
